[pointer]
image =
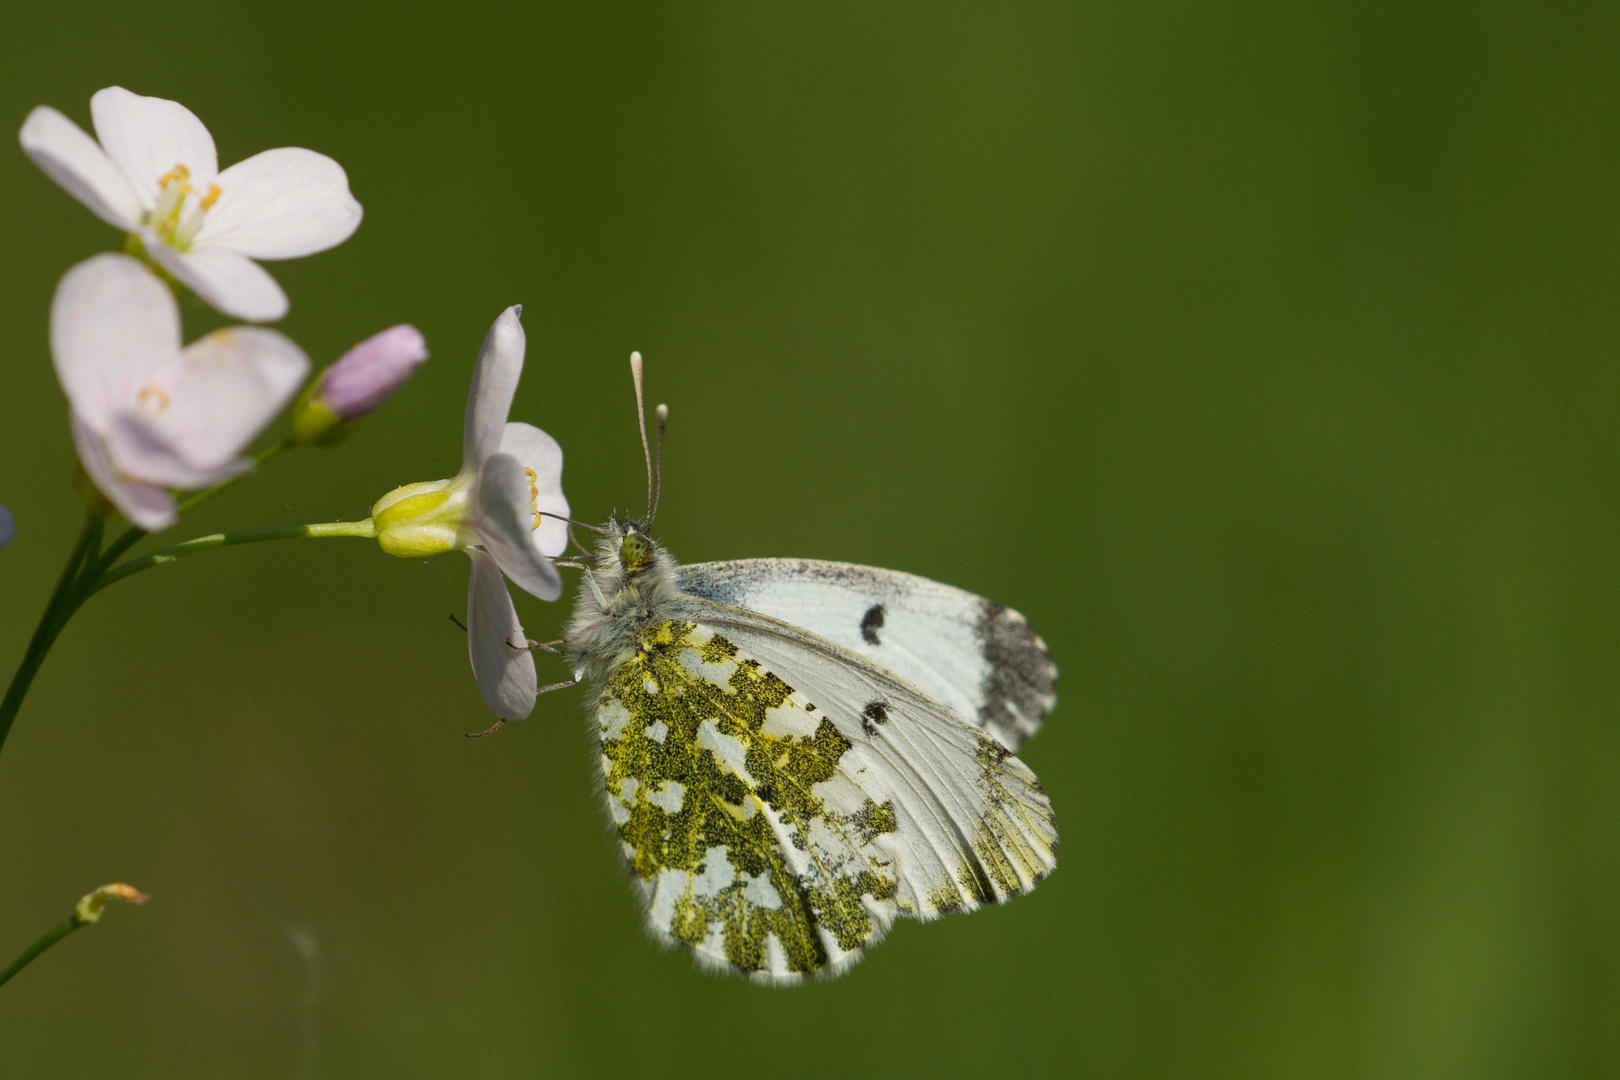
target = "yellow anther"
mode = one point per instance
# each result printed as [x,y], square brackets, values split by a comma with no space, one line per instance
[534,497]
[179,173]
[151,393]
[212,197]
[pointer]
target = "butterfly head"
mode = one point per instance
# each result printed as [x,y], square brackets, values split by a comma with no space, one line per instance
[636,549]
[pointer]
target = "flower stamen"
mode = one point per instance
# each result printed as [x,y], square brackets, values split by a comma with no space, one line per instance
[151,393]
[534,497]
[165,216]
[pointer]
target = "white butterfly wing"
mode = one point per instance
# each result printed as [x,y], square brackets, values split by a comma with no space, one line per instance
[972,823]
[750,841]
[977,657]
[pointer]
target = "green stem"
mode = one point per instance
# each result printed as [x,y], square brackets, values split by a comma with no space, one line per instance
[263,457]
[363,529]
[67,596]
[87,573]
[52,936]
[87,911]
[133,536]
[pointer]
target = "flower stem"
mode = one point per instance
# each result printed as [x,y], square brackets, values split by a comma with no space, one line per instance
[264,456]
[133,536]
[67,596]
[87,573]
[88,911]
[363,529]
[52,936]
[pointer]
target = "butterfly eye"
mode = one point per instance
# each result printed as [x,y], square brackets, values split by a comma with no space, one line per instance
[635,550]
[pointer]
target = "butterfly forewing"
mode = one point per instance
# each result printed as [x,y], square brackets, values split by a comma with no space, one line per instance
[977,657]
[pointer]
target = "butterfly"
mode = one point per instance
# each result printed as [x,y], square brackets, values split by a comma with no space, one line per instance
[794,752]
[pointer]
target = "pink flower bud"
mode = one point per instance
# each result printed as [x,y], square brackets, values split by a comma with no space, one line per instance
[373,369]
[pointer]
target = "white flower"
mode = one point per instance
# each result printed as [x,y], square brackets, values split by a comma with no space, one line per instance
[498,509]
[155,175]
[146,415]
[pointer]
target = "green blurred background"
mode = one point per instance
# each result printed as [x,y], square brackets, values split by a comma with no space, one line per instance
[1263,355]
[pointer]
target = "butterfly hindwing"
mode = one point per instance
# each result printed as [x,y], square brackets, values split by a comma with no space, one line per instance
[972,824]
[732,793]
[977,657]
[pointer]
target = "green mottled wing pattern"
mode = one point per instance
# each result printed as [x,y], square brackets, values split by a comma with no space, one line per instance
[973,825]
[780,803]
[752,842]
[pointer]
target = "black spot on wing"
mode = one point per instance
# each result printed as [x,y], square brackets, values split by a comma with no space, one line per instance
[871,623]
[1017,691]
[875,713]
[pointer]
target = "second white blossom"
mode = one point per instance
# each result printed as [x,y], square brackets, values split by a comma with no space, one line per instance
[148,416]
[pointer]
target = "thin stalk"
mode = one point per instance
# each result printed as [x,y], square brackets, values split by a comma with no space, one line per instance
[133,536]
[362,529]
[52,936]
[263,457]
[87,573]
[87,912]
[62,602]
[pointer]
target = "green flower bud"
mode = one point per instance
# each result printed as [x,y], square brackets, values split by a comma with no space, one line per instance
[419,520]
[344,395]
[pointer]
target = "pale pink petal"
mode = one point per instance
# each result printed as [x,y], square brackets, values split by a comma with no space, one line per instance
[71,157]
[143,505]
[494,382]
[281,204]
[114,326]
[539,453]
[227,282]
[137,448]
[504,518]
[505,673]
[146,137]
[222,391]
[363,377]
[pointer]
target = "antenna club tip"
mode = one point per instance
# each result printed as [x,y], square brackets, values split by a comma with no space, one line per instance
[635,357]
[662,412]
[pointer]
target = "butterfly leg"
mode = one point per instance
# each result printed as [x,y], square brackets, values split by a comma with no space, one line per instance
[590,577]
[551,646]
[496,726]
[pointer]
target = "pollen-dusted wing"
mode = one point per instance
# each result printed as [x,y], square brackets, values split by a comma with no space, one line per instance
[781,798]
[977,657]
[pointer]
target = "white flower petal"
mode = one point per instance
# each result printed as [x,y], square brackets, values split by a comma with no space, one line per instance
[230,283]
[505,674]
[68,155]
[146,137]
[144,506]
[223,390]
[114,326]
[539,453]
[504,518]
[281,204]
[494,382]
[137,448]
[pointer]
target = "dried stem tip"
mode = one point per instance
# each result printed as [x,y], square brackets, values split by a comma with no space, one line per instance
[89,909]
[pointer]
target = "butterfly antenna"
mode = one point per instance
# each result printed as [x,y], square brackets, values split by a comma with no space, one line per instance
[661,418]
[641,422]
[572,522]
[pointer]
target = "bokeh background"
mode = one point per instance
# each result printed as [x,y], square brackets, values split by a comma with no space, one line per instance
[1263,354]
